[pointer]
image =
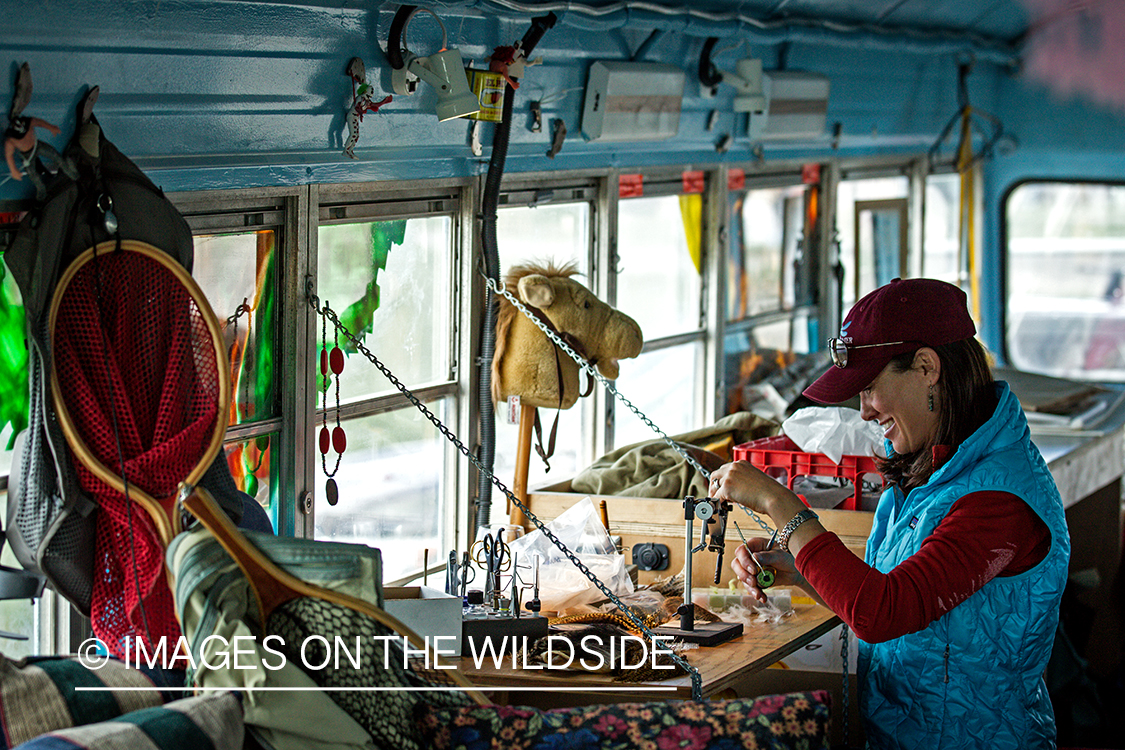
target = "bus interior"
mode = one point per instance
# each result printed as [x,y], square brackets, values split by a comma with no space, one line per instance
[732,174]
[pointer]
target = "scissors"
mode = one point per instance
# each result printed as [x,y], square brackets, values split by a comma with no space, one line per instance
[458,575]
[494,556]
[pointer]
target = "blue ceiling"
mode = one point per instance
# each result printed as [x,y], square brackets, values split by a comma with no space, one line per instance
[996,22]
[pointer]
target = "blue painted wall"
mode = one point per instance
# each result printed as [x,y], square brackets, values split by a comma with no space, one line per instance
[206,94]
[230,94]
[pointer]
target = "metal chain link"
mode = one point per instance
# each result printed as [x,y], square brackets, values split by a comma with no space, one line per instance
[314,302]
[498,288]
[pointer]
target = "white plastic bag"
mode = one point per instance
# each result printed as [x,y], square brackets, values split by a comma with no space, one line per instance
[835,431]
[561,584]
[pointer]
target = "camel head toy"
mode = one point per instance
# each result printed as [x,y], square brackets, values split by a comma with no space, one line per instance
[528,364]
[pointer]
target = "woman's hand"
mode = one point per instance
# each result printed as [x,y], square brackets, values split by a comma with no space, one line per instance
[741,482]
[746,567]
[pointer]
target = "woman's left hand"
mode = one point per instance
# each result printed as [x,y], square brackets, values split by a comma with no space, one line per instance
[752,556]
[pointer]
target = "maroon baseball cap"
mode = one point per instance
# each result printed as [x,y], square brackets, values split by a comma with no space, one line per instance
[902,316]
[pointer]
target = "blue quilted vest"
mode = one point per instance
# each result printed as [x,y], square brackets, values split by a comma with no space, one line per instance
[974,677]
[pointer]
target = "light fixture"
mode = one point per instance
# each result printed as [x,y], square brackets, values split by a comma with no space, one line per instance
[444,70]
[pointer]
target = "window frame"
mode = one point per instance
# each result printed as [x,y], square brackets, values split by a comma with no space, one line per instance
[1004,258]
[360,202]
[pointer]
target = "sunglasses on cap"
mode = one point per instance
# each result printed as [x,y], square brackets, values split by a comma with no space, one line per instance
[839,349]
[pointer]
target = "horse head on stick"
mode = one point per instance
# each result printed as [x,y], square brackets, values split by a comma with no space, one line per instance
[528,364]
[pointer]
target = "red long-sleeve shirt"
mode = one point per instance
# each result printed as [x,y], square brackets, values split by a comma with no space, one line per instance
[985,534]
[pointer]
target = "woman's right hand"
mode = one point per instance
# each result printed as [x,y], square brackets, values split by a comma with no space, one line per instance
[746,568]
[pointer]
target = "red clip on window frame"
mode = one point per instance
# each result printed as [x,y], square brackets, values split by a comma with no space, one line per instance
[631,185]
[694,181]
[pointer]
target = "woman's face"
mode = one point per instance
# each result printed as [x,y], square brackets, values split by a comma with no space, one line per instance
[899,403]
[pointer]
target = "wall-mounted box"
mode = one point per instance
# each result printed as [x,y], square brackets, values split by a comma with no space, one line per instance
[429,613]
[632,101]
[797,106]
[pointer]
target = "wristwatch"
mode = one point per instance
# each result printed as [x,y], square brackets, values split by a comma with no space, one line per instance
[788,529]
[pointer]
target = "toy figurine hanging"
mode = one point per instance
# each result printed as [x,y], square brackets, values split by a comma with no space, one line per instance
[361,102]
[20,138]
[336,440]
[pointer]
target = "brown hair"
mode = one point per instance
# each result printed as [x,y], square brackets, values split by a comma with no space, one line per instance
[965,398]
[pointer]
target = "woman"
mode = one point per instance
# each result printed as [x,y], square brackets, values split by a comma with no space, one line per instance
[956,602]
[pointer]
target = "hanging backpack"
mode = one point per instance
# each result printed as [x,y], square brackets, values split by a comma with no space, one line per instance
[51,523]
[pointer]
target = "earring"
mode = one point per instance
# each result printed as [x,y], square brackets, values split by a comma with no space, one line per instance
[930,397]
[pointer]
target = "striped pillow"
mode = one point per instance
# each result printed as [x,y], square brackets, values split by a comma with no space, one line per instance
[37,695]
[208,722]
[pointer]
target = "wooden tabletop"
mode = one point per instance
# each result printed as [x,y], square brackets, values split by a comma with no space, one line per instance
[721,667]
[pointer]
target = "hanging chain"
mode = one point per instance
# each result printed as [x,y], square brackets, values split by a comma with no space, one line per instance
[242,309]
[498,288]
[314,302]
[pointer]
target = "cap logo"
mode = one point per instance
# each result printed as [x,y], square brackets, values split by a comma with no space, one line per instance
[844,332]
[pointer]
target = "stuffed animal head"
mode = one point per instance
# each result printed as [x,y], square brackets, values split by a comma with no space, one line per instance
[528,364]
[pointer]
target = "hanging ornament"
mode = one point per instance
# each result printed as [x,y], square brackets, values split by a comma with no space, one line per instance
[330,362]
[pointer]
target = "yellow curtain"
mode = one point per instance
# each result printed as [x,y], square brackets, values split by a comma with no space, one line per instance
[691,210]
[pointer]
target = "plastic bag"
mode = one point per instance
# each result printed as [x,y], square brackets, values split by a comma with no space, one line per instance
[561,583]
[834,431]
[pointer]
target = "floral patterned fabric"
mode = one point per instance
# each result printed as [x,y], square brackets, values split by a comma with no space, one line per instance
[797,721]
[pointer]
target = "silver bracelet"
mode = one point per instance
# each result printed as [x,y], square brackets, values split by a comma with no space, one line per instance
[788,529]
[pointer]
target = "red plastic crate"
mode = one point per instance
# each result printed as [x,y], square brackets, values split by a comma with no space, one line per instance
[781,458]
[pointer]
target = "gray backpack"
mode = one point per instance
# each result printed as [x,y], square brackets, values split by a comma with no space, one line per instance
[50,524]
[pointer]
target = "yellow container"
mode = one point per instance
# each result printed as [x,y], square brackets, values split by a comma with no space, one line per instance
[489,88]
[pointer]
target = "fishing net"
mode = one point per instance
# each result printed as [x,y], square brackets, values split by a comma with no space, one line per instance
[140,393]
[386,712]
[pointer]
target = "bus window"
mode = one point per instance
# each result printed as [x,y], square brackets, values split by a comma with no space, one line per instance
[556,233]
[871,227]
[768,228]
[391,481]
[238,275]
[17,616]
[662,384]
[1065,251]
[390,284]
[767,240]
[659,285]
[560,234]
[237,269]
[389,281]
[940,259]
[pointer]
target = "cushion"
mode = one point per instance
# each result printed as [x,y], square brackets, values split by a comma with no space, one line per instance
[212,721]
[37,694]
[794,720]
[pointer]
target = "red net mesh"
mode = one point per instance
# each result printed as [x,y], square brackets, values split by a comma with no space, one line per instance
[146,379]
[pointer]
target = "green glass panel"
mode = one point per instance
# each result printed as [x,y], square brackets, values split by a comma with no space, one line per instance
[237,273]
